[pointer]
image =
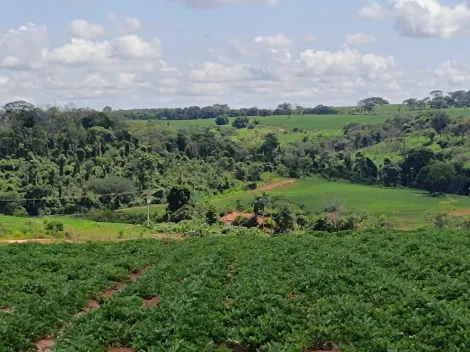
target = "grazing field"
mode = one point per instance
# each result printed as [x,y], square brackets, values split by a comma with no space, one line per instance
[407,206]
[370,291]
[75,229]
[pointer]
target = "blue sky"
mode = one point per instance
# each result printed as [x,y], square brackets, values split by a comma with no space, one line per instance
[168,53]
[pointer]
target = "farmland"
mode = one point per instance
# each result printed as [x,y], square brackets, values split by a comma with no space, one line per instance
[370,291]
[408,207]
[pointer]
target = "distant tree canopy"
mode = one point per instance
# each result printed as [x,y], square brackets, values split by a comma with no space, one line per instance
[373,100]
[439,100]
[216,111]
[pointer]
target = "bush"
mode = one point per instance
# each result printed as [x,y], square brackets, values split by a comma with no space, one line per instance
[54,228]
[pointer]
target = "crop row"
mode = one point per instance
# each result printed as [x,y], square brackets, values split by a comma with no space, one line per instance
[372,291]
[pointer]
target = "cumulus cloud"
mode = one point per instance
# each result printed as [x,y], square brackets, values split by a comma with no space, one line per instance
[81,52]
[130,25]
[82,29]
[456,72]
[219,72]
[372,10]
[357,39]
[217,3]
[344,62]
[429,18]
[24,47]
[277,41]
[423,18]
[133,46]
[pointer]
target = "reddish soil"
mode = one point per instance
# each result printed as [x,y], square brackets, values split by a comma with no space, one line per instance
[460,212]
[120,349]
[45,345]
[112,291]
[235,347]
[152,302]
[275,185]
[134,276]
[36,240]
[230,218]
[6,310]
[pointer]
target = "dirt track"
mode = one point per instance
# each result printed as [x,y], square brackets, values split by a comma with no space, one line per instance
[157,236]
[274,185]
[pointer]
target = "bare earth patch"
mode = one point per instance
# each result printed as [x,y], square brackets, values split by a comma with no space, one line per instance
[460,212]
[6,310]
[120,349]
[45,345]
[134,276]
[152,302]
[275,185]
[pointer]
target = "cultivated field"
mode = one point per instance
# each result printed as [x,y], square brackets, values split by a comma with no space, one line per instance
[408,207]
[371,291]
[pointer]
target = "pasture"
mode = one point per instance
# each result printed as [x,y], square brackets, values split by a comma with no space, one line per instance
[16,228]
[407,207]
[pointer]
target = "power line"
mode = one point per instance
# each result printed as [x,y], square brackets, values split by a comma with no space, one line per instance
[68,197]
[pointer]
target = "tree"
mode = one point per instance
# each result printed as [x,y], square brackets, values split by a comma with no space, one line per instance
[411,103]
[178,197]
[270,145]
[35,195]
[390,173]
[285,219]
[439,121]
[240,122]
[9,202]
[107,109]
[414,161]
[114,190]
[221,120]
[373,100]
[436,178]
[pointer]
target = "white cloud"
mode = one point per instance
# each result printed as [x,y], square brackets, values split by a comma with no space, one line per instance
[357,39]
[344,62]
[82,29]
[277,41]
[216,3]
[429,18]
[218,72]
[81,52]
[133,46]
[130,25]
[456,72]
[24,47]
[372,10]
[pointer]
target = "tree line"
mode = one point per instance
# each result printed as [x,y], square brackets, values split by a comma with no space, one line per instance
[218,110]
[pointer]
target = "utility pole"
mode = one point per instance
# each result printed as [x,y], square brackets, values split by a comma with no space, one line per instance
[148,208]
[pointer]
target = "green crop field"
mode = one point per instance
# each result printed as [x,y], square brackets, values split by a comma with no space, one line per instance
[408,207]
[31,228]
[362,292]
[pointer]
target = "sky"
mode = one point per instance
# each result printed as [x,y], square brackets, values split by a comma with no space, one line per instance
[175,53]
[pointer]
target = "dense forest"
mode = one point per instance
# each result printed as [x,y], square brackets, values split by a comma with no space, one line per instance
[73,161]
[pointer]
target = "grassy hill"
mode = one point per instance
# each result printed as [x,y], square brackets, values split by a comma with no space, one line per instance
[408,207]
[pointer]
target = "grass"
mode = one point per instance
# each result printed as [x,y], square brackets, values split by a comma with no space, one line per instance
[78,229]
[408,207]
